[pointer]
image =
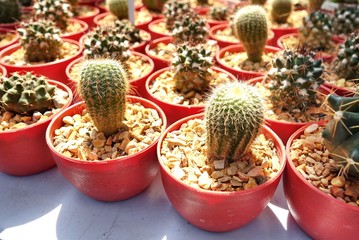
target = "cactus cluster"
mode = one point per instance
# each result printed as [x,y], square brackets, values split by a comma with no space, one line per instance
[294,80]
[172,9]
[234,116]
[103,86]
[249,25]
[26,93]
[341,135]
[346,20]
[191,65]
[281,10]
[9,11]
[119,8]
[57,11]
[40,40]
[219,13]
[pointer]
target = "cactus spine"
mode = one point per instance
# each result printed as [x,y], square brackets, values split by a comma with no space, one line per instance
[103,86]
[9,11]
[249,25]
[234,115]
[119,8]
[281,10]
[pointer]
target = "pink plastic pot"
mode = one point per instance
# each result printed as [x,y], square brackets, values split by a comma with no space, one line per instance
[14,40]
[213,210]
[52,70]
[88,19]
[24,151]
[320,215]
[108,180]
[76,35]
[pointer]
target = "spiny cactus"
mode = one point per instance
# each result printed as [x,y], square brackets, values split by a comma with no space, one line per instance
[58,11]
[346,20]
[249,25]
[103,86]
[9,11]
[41,40]
[191,68]
[172,9]
[119,8]
[219,13]
[129,30]
[346,63]
[26,93]
[234,115]
[281,10]
[341,135]
[294,80]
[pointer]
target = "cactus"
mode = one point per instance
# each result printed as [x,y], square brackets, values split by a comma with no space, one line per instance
[249,25]
[346,20]
[281,10]
[234,115]
[294,80]
[191,68]
[26,93]
[26,3]
[219,13]
[119,8]
[346,63]
[173,9]
[40,40]
[9,11]
[103,86]
[58,11]
[154,5]
[129,30]
[341,135]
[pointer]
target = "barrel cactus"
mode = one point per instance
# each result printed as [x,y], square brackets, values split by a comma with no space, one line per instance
[103,87]
[234,116]
[249,25]
[173,9]
[281,10]
[119,8]
[346,20]
[26,93]
[9,11]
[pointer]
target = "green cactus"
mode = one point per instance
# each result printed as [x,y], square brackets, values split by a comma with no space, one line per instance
[341,135]
[9,11]
[294,80]
[346,63]
[249,25]
[58,11]
[154,5]
[26,93]
[40,40]
[119,8]
[172,9]
[191,68]
[234,115]
[281,10]
[103,86]
[257,2]
[346,20]
[129,30]
[219,13]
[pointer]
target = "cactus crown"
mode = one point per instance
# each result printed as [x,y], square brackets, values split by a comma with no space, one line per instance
[172,9]
[234,115]
[103,86]
[346,20]
[249,25]
[119,8]
[58,11]
[41,40]
[294,80]
[129,30]
[219,13]
[191,68]
[26,93]
[9,11]
[281,10]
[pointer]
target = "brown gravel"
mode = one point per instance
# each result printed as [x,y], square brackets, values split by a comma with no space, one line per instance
[5,38]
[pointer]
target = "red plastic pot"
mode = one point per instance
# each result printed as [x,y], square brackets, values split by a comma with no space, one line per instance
[76,35]
[173,111]
[320,215]
[341,91]
[24,151]
[159,62]
[89,18]
[14,40]
[241,74]
[107,180]
[154,33]
[52,70]
[213,210]
[3,71]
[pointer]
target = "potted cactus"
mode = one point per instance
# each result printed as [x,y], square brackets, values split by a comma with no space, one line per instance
[10,13]
[28,102]
[114,143]
[345,21]
[207,160]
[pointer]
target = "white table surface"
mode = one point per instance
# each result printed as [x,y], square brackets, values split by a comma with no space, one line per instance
[46,206]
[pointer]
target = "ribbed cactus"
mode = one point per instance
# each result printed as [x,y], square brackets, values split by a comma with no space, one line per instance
[9,11]
[249,25]
[234,116]
[294,80]
[119,8]
[346,20]
[281,10]
[346,63]
[341,135]
[191,68]
[41,40]
[57,11]
[219,13]
[103,86]
[26,93]
[172,9]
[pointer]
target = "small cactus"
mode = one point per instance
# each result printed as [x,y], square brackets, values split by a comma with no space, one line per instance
[26,93]
[346,20]
[41,40]
[129,30]
[103,86]
[281,10]
[119,8]
[172,9]
[249,25]
[9,11]
[218,13]
[234,116]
